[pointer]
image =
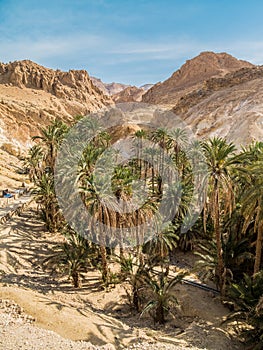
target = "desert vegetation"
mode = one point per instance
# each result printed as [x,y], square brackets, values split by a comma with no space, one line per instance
[226,236]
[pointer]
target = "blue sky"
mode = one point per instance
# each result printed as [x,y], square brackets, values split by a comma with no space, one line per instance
[127,41]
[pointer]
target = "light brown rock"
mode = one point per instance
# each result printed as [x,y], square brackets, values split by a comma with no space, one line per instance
[130,94]
[32,95]
[191,74]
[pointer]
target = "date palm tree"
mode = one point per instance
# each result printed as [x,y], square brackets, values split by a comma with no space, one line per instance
[72,257]
[138,140]
[135,271]
[51,138]
[177,142]
[162,293]
[162,242]
[160,137]
[247,295]
[100,215]
[249,175]
[33,162]
[45,195]
[252,208]
[220,160]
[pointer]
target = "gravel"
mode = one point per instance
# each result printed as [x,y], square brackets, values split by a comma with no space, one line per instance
[17,331]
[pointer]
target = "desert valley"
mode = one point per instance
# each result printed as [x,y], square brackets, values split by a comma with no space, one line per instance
[199,288]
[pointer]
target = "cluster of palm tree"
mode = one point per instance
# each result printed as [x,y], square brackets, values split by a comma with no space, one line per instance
[40,164]
[226,234]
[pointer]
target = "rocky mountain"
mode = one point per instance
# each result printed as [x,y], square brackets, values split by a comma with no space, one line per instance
[214,93]
[130,94]
[31,96]
[99,83]
[229,107]
[109,88]
[115,89]
[193,73]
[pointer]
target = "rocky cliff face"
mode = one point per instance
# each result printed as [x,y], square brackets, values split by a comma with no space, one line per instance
[208,87]
[229,107]
[31,96]
[193,73]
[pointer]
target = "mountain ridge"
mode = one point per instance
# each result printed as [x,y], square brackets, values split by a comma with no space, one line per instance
[192,73]
[31,96]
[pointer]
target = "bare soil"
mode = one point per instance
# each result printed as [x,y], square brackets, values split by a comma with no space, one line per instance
[61,317]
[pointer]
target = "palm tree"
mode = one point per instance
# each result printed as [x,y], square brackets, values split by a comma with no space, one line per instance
[248,297]
[95,195]
[235,254]
[41,160]
[122,182]
[135,271]
[162,242]
[150,154]
[162,295]
[138,138]
[45,195]
[160,137]
[249,175]
[220,160]
[71,257]
[51,138]
[33,162]
[252,208]
[177,142]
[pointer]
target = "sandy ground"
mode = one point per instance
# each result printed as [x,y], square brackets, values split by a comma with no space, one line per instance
[89,314]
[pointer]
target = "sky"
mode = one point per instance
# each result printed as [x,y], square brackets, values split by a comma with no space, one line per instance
[128,41]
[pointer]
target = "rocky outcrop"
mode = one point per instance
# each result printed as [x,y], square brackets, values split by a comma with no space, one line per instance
[109,88]
[32,95]
[75,84]
[130,94]
[215,84]
[113,89]
[193,73]
[229,107]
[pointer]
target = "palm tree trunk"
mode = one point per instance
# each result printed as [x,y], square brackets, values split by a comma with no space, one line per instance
[159,314]
[135,298]
[258,248]
[103,252]
[152,178]
[216,219]
[104,265]
[76,280]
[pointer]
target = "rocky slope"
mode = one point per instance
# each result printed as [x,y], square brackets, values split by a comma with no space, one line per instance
[193,73]
[122,92]
[229,107]
[31,96]
[214,93]
[108,88]
[130,94]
